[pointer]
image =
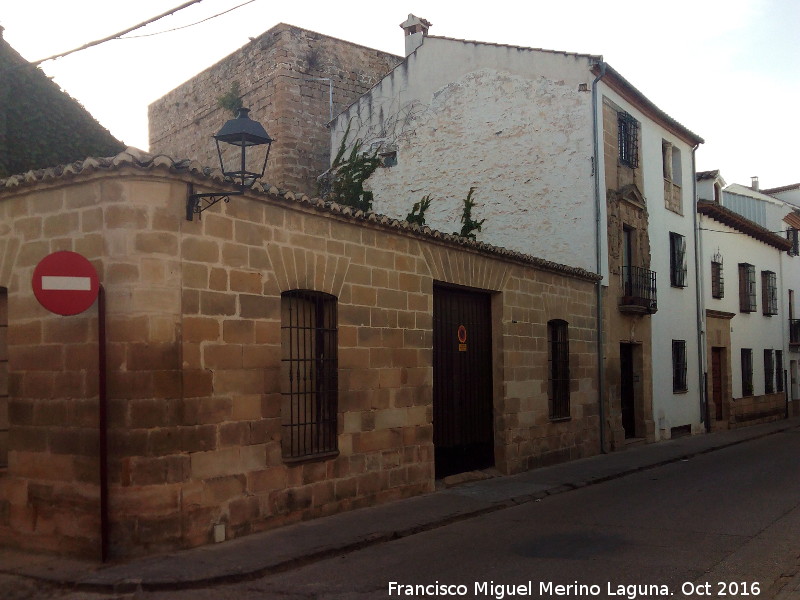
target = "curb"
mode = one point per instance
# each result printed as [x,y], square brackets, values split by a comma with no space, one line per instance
[132,584]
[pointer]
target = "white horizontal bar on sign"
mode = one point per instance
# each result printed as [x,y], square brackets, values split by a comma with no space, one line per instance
[54,282]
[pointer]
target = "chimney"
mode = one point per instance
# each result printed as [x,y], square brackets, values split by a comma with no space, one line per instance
[754,183]
[416,29]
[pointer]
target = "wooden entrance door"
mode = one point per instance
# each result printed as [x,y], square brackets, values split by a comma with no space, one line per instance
[716,379]
[463,429]
[627,391]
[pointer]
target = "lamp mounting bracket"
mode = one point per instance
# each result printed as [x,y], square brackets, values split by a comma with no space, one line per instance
[197,203]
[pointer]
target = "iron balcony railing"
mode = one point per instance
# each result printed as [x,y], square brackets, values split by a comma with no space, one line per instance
[639,289]
[794,331]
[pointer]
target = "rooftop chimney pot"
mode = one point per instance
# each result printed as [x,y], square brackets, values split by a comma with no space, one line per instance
[754,183]
[415,29]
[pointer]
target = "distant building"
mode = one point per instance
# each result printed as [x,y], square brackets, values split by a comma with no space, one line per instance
[293,80]
[40,124]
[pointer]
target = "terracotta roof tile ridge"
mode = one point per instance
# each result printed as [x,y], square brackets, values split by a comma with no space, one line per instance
[517,47]
[742,224]
[783,188]
[139,159]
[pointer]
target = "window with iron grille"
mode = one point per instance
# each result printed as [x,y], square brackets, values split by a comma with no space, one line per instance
[769,372]
[717,280]
[677,260]
[791,235]
[747,287]
[778,370]
[558,357]
[309,377]
[679,366]
[628,137]
[769,293]
[747,372]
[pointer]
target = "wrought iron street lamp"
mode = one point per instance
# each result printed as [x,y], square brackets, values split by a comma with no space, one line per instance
[241,143]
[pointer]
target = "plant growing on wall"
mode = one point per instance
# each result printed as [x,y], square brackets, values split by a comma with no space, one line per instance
[349,172]
[232,101]
[469,225]
[417,214]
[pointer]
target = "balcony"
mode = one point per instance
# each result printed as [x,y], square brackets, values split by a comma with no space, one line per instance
[794,334]
[638,291]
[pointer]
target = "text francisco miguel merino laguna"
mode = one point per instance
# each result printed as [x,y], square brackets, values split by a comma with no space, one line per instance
[490,589]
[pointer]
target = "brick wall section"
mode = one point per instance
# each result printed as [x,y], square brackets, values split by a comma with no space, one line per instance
[273,73]
[194,361]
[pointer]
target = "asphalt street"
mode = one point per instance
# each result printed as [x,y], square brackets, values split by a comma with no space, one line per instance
[721,524]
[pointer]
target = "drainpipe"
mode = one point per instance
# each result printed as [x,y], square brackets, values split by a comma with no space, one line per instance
[601,377]
[701,346]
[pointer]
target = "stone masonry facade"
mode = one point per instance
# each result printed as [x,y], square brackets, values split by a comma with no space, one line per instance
[194,358]
[285,77]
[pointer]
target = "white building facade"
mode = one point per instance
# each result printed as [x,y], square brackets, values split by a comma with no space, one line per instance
[571,163]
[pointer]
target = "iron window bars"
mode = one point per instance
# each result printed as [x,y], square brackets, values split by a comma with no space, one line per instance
[791,235]
[309,374]
[679,366]
[747,287]
[717,278]
[769,293]
[628,138]
[677,260]
[558,358]
[769,372]
[747,372]
[778,370]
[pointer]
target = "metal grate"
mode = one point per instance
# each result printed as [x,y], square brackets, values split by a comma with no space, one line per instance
[747,372]
[769,372]
[679,366]
[639,287]
[717,279]
[677,260]
[628,138]
[558,343]
[769,293]
[747,287]
[309,374]
[778,370]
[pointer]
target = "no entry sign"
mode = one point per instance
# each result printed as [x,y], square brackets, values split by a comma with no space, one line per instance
[65,283]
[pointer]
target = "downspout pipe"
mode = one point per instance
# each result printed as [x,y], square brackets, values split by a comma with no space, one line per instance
[705,417]
[601,378]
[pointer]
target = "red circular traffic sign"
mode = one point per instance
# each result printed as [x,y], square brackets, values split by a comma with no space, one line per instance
[65,283]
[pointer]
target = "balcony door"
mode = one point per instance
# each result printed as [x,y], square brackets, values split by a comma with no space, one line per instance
[627,260]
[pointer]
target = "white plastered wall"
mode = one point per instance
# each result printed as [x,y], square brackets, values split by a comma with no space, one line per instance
[510,122]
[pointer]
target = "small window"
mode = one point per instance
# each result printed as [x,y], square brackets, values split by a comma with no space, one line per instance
[558,358]
[769,372]
[791,235]
[628,138]
[679,366]
[747,372]
[769,293]
[677,260]
[778,370]
[747,287]
[717,279]
[309,377]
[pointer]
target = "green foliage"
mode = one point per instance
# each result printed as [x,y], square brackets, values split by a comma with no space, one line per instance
[41,125]
[350,173]
[469,226]
[417,214]
[232,101]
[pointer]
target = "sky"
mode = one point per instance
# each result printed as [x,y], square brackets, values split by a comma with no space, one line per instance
[726,69]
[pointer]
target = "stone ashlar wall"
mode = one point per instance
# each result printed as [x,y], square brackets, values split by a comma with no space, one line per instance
[194,353]
[276,74]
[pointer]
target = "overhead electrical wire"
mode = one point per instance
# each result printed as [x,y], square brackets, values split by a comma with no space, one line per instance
[144,35]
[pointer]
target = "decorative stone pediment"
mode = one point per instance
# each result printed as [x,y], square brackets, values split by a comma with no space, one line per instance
[631,193]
